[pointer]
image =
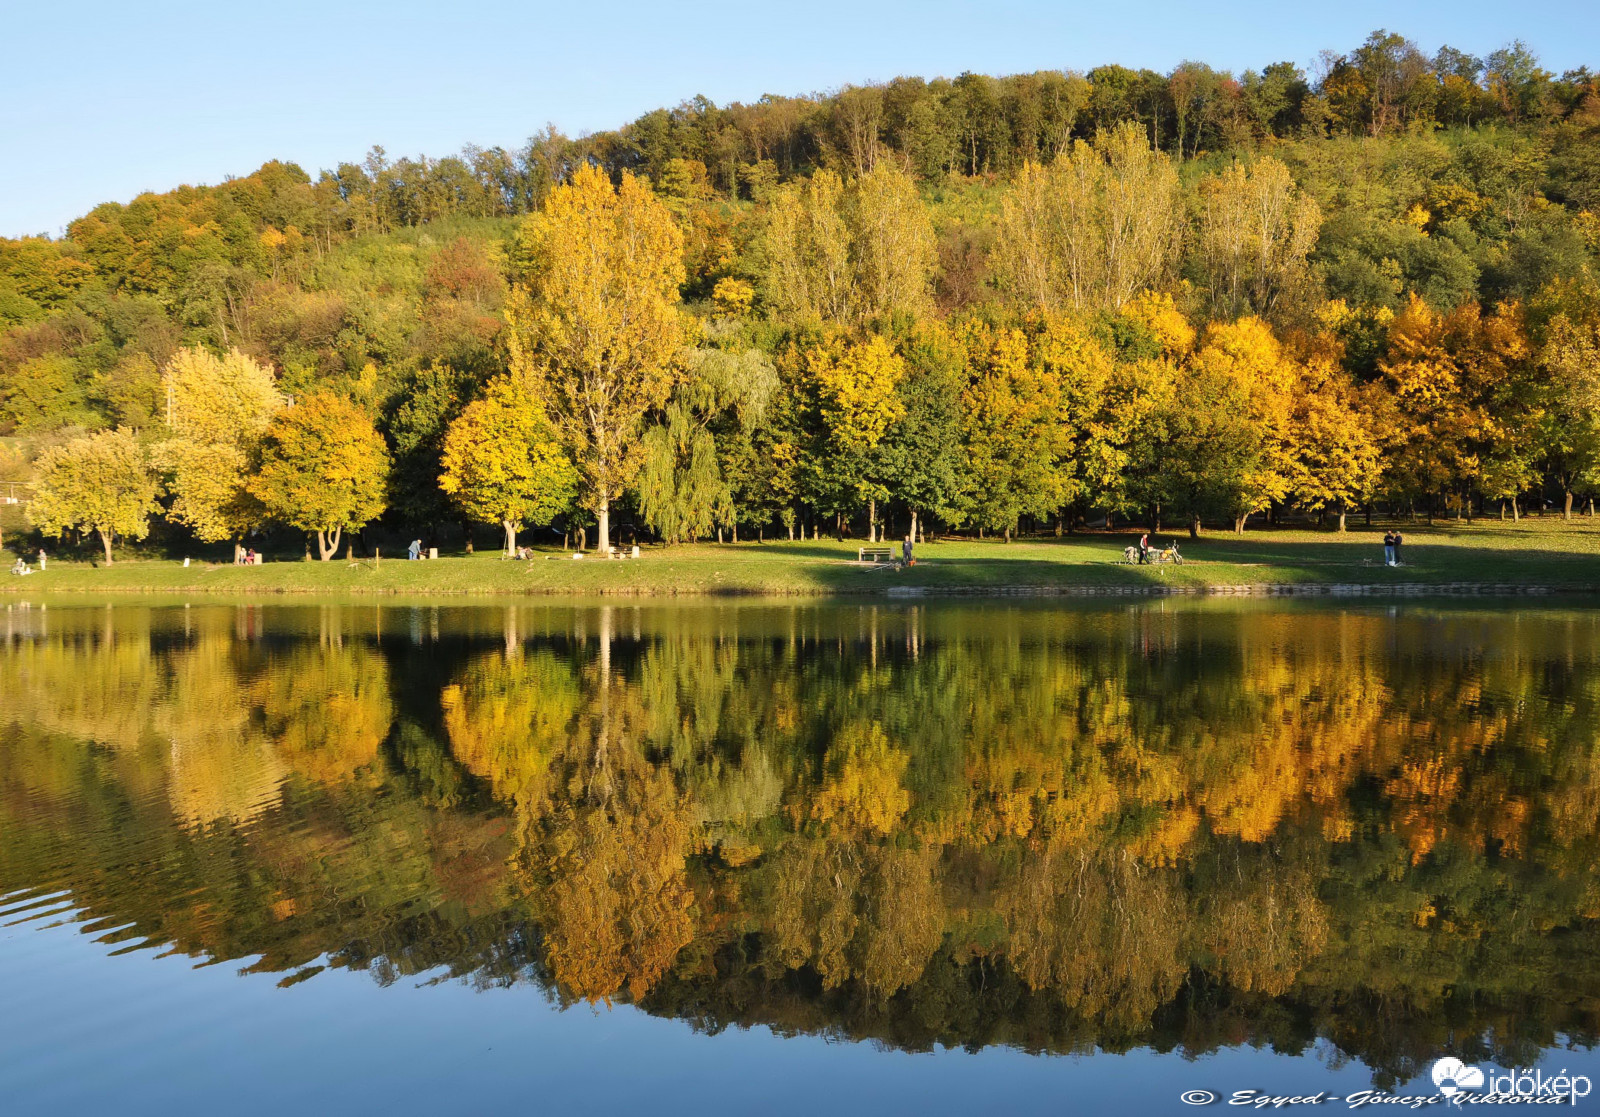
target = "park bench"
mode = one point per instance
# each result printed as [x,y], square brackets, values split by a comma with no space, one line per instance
[875,554]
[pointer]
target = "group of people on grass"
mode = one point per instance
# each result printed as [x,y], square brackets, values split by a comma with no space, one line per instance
[1391,547]
[21,566]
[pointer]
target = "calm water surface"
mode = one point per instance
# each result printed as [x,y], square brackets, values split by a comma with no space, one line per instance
[785,858]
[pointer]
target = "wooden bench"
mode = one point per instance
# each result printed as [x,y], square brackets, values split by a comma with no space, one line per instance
[875,554]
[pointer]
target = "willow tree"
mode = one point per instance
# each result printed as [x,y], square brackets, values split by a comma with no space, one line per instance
[503,461]
[595,327]
[217,409]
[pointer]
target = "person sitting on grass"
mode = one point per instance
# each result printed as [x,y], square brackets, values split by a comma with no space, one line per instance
[19,567]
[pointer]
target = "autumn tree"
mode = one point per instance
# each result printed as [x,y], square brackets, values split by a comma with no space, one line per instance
[842,252]
[216,411]
[1244,383]
[858,398]
[1335,459]
[595,324]
[323,469]
[1012,430]
[1256,229]
[1093,228]
[503,461]
[1571,353]
[100,482]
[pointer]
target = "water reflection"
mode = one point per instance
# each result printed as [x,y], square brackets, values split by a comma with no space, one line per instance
[1048,827]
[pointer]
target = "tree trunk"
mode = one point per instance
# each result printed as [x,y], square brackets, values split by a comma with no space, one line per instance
[511,536]
[1502,508]
[734,528]
[1516,513]
[1008,534]
[1341,519]
[1566,511]
[328,543]
[106,535]
[1238,523]
[1369,513]
[603,536]
[914,527]
[238,552]
[872,521]
[1194,528]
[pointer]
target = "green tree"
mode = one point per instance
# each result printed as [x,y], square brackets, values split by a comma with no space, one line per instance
[323,469]
[503,461]
[100,482]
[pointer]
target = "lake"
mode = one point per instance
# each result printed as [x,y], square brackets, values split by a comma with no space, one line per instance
[746,856]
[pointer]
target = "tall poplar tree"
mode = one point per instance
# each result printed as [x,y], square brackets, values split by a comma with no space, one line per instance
[595,324]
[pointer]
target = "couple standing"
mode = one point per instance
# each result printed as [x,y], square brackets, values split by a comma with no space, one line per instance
[1391,547]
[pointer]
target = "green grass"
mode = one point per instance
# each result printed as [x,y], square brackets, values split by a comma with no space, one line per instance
[1541,552]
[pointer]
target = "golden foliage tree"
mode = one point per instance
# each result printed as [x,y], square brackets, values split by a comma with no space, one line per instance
[99,482]
[843,253]
[503,460]
[595,325]
[217,408]
[1256,229]
[323,469]
[1094,228]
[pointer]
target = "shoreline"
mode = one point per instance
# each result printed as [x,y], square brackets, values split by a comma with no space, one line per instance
[1249,589]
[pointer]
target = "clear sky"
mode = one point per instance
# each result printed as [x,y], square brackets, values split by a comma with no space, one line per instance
[99,101]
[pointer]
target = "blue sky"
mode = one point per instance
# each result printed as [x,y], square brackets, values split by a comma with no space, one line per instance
[99,101]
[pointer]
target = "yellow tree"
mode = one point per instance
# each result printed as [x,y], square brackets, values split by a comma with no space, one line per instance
[216,410]
[1094,228]
[100,482]
[1256,229]
[1335,458]
[1236,397]
[1013,430]
[323,469]
[859,399]
[503,460]
[595,326]
[844,253]
[893,249]
[805,251]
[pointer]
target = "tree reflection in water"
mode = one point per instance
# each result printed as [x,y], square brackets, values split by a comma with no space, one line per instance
[1049,827]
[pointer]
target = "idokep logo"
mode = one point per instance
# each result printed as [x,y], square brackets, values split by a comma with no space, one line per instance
[1452,1076]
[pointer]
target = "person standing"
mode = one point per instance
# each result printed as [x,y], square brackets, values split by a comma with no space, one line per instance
[905,550]
[1398,539]
[1144,549]
[1388,547]
[43,558]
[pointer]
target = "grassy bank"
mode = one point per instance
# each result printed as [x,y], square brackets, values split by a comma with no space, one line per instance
[1544,552]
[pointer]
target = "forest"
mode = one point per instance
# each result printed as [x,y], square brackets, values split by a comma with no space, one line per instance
[996,305]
